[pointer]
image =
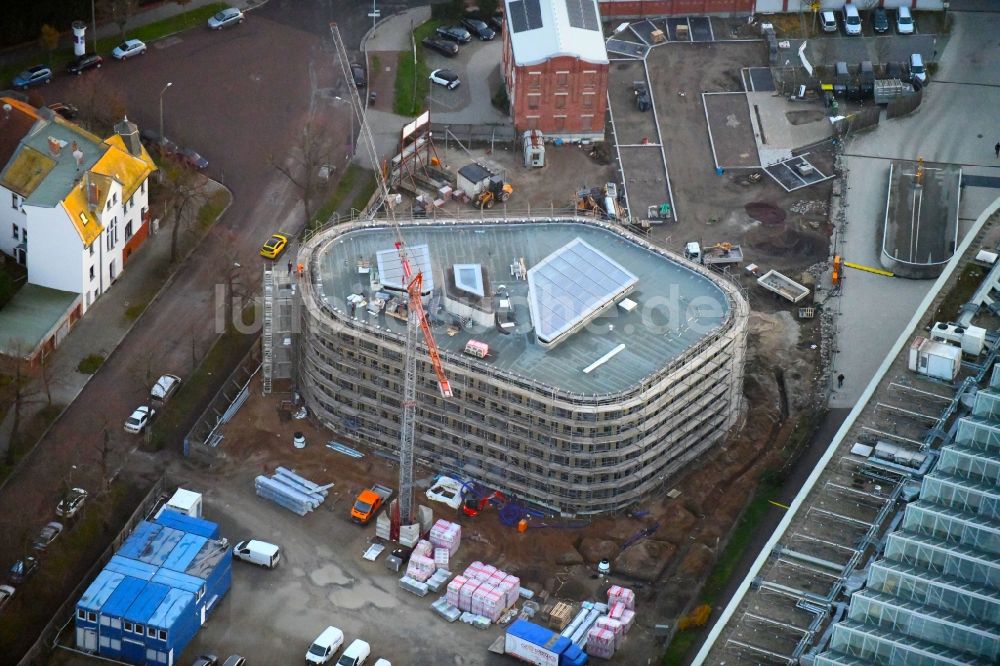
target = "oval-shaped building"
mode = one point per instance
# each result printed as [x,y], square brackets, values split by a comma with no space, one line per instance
[587,366]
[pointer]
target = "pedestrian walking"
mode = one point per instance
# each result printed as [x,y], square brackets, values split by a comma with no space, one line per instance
[840,380]
[289,268]
[996,149]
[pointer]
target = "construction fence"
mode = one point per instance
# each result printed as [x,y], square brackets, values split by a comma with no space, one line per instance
[467,135]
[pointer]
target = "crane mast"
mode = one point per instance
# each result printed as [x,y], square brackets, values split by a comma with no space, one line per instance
[416,320]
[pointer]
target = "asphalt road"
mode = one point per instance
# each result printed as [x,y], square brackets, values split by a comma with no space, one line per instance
[237,97]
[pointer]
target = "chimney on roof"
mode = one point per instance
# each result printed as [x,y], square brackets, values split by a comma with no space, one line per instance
[55,146]
[129,133]
[77,155]
[93,191]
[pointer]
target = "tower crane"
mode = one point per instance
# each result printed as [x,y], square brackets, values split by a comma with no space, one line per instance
[416,320]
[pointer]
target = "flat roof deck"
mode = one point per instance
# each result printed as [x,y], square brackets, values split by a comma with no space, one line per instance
[30,316]
[677,305]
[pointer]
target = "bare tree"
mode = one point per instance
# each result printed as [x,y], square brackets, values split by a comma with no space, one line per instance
[180,190]
[313,151]
[49,39]
[101,103]
[119,11]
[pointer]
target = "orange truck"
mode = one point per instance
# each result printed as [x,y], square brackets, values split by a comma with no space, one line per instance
[368,502]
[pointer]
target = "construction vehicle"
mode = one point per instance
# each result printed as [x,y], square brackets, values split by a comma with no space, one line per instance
[714,255]
[496,190]
[368,502]
[474,506]
[661,212]
[641,92]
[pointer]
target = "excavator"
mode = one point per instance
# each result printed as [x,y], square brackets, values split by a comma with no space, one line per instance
[497,190]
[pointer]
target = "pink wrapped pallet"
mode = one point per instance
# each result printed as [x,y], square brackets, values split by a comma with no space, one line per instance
[513,585]
[420,567]
[615,627]
[616,611]
[493,605]
[624,595]
[472,572]
[487,571]
[600,643]
[446,535]
[455,589]
[465,595]
[628,618]
[424,548]
[479,599]
[497,578]
[441,558]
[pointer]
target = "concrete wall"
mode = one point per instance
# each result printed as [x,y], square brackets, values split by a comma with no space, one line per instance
[9,216]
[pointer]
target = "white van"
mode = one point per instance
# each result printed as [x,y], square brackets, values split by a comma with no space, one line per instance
[852,20]
[917,71]
[325,646]
[383,662]
[356,654]
[261,553]
[828,20]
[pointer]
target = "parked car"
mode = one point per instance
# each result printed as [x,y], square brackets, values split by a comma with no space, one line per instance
[852,20]
[496,22]
[227,17]
[192,158]
[49,533]
[206,660]
[325,646]
[917,71]
[23,569]
[128,49]
[6,593]
[256,552]
[442,46]
[71,504]
[139,419]
[455,33]
[904,21]
[479,28]
[67,111]
[358,74]
[33,76]
[85,62]
[382,662]
[356,654]
[235,660]
[828,20]
[165,387]
[274,246]
[880,20]
[446,78]
[155,142]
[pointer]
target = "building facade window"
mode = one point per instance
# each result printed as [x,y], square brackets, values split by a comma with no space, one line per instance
[562,79]
[15,201]
[128,230]
[24,234]
[91,249]
[534,101]
[561,101]
[15,228]
[92,274]
[588,100]
[142,188]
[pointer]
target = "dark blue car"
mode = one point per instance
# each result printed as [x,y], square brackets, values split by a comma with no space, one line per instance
[33,76]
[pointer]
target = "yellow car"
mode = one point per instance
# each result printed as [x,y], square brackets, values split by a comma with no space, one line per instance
[274,246]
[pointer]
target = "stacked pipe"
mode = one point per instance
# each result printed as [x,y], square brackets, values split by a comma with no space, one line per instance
[291,491]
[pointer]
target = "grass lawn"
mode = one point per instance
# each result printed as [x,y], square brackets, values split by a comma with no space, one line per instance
[147,33]
[212,209]
[411,78]
[355,179]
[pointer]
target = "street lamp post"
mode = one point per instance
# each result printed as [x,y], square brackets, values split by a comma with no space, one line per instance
[350,112]
[162,138]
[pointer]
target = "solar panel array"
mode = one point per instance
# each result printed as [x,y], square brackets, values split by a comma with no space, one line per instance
[571,285]
[583,14]
[525,15]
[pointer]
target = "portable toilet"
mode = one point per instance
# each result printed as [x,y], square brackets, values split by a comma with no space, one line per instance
[534,148]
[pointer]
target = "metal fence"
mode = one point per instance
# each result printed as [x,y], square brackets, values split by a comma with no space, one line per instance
[901,106]
[64,615]
[467,135]
[205,436]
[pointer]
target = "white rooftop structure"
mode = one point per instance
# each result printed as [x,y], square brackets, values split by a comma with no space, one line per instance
[570,287]
[469,278]
[390,269]
[544,29]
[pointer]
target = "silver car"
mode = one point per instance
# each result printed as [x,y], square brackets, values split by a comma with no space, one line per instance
[227,17]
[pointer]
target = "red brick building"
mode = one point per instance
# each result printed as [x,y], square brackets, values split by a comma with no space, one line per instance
[555,67]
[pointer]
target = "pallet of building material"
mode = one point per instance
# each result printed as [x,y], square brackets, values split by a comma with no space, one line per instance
[476,620]
[446,610]
[414,586]
[600,643]
[346,450]
[288,493]
[383,525]
[438,580]
[373,551]
[409,535]
[306,484]
[560,615]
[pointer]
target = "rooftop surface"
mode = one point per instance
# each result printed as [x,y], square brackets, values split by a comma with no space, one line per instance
[922,213]
[677,306]
[63,172]
[544,29]
[30,316]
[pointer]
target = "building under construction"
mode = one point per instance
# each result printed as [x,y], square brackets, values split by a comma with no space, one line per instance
[587,365]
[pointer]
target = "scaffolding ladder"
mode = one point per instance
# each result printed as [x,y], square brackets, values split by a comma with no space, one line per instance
[266,338]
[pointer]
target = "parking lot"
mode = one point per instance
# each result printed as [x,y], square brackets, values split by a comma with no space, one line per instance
[478,66]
